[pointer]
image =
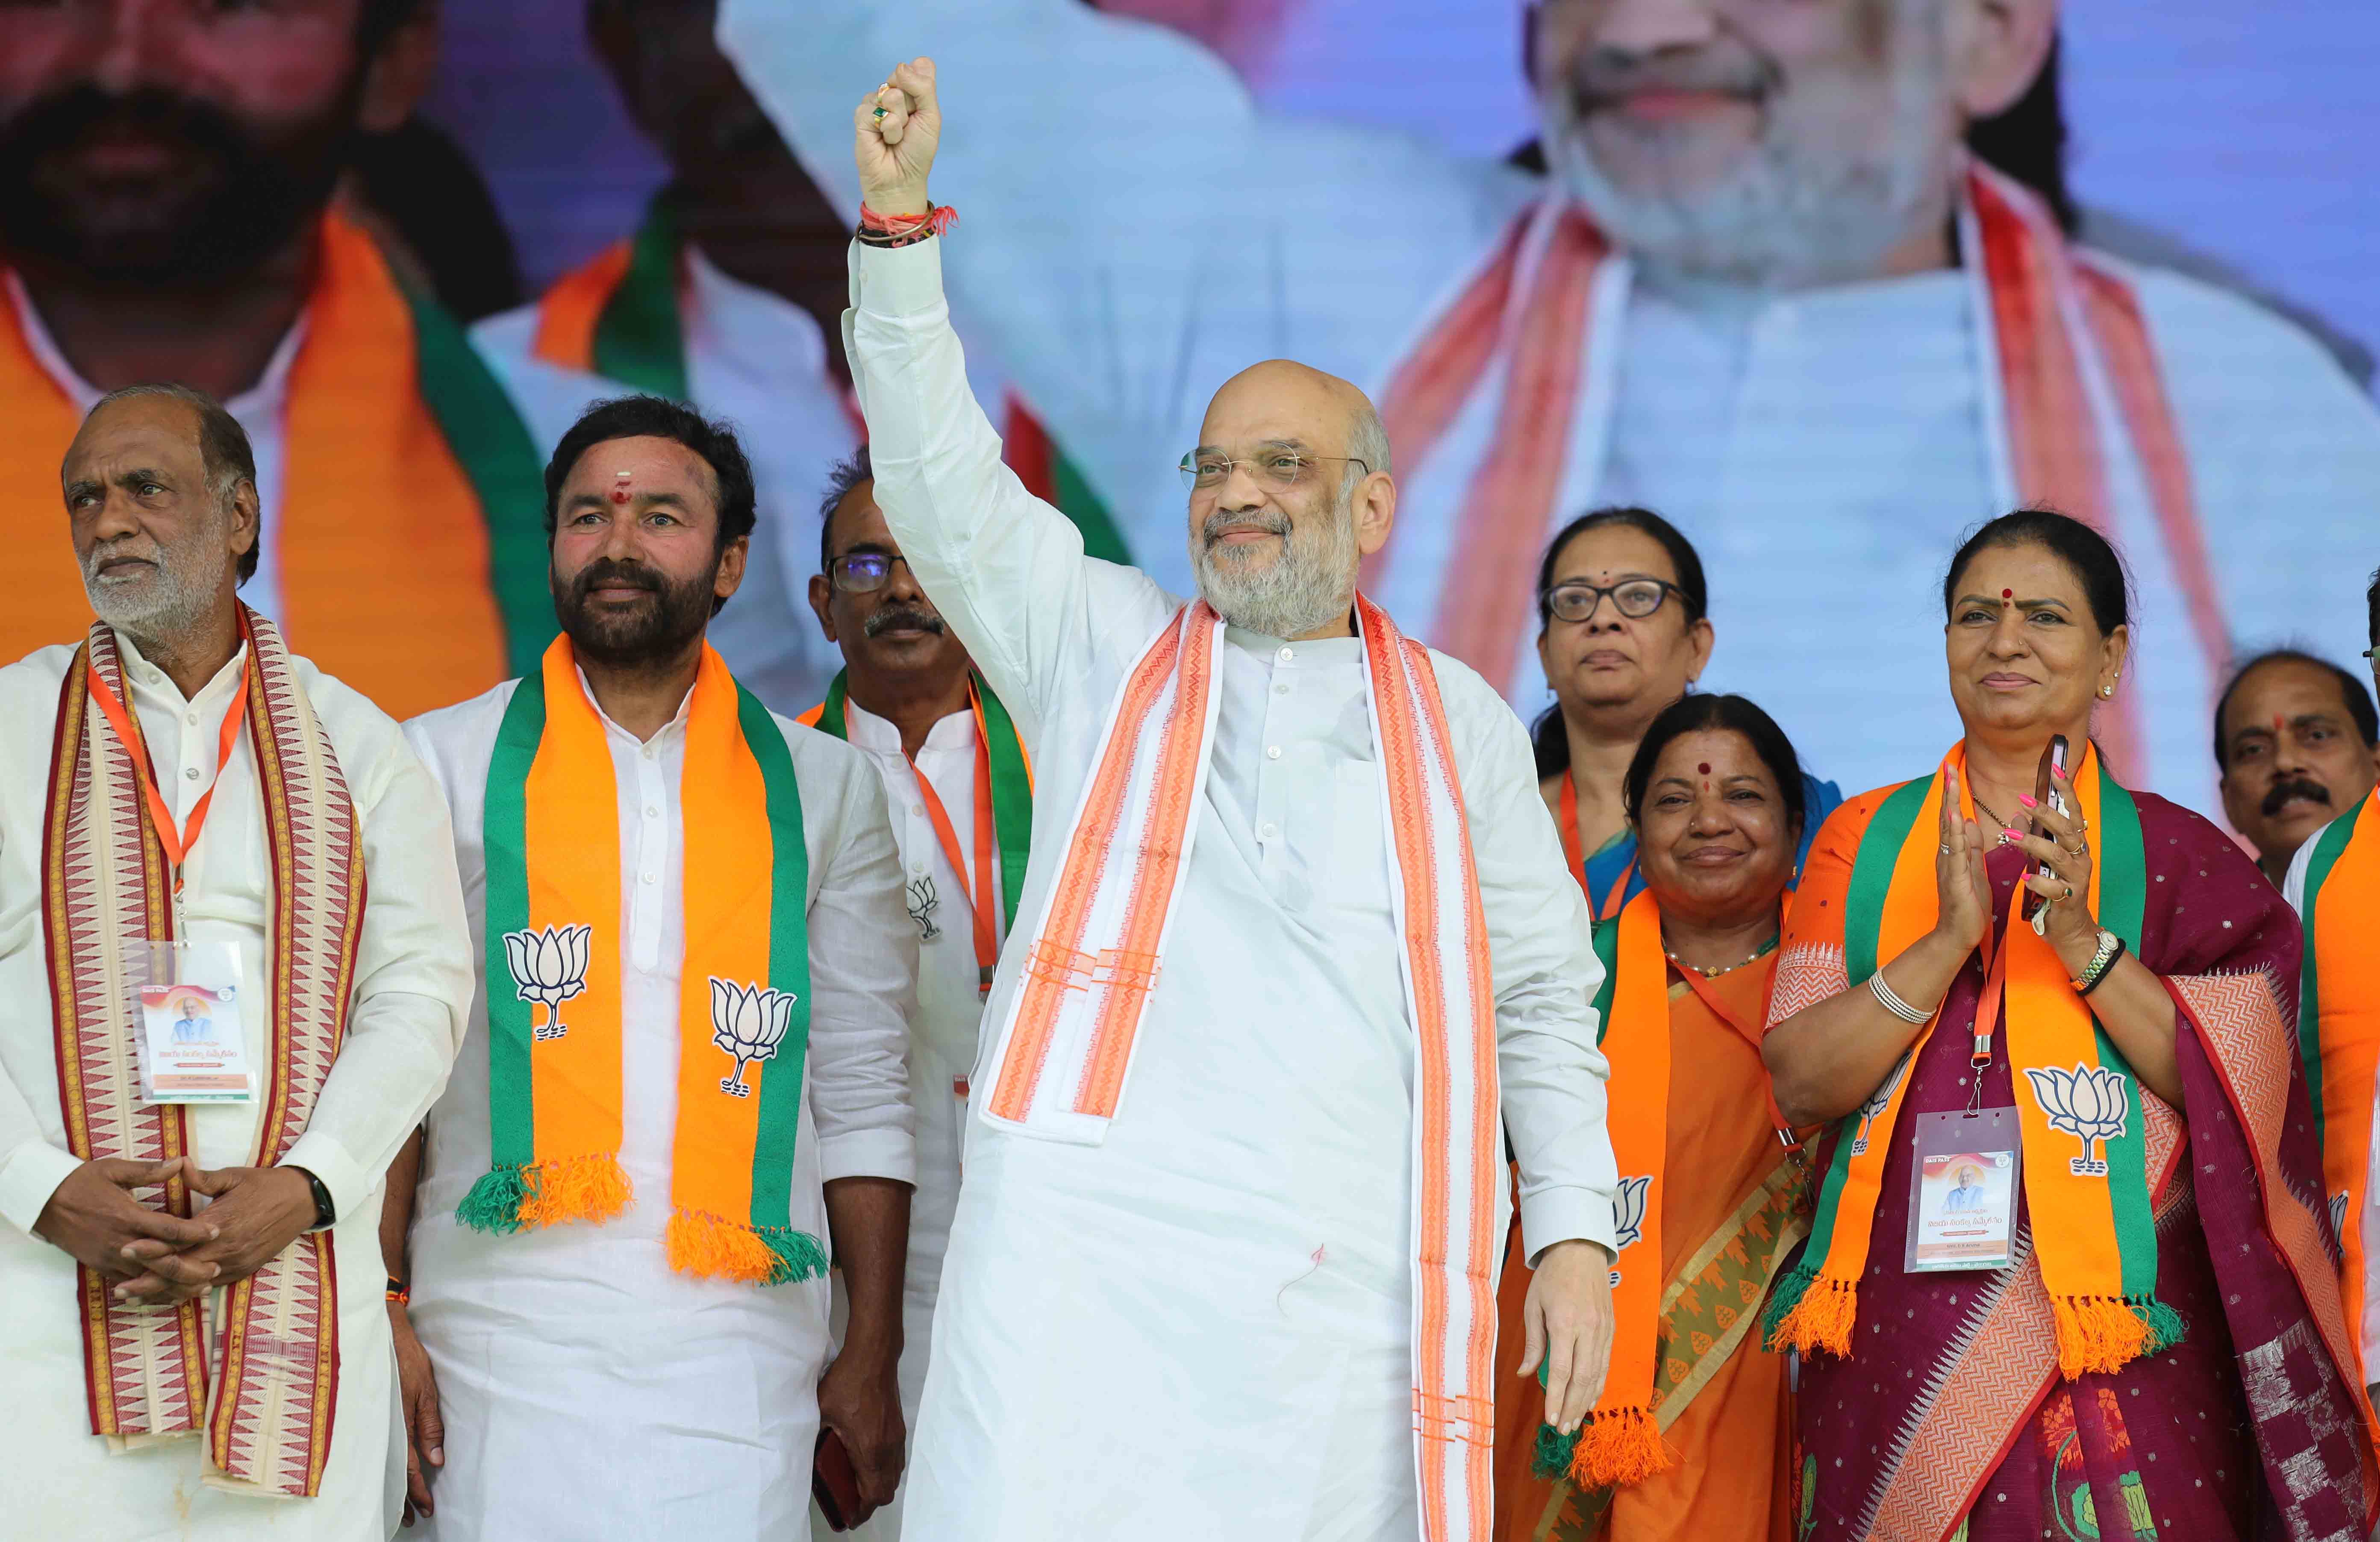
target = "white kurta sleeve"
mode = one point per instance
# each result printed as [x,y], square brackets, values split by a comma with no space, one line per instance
[414,978]
[1004,568]
[1546,978]
[863,979]
[31,1168]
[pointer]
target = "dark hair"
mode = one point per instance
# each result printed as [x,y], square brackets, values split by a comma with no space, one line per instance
[1546,736]
[2358,697]
[222,449]
[2086,553]
[2028,139]
[659,417]
[1734,715]
[846,475]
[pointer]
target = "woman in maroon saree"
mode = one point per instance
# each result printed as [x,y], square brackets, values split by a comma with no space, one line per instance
[1950,1416]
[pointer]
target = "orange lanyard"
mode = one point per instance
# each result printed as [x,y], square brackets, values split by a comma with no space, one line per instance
[987,947]
[1750,1033]
[177,839]
[1574,853]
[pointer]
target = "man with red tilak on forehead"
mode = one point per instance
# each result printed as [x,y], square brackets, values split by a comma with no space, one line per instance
[1296,960]
[1800,276]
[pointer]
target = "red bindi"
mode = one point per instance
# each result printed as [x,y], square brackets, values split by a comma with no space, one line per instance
[2008,594]
[1703,768]
[619,496]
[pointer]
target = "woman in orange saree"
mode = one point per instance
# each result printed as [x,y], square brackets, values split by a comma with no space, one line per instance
[1688,1439]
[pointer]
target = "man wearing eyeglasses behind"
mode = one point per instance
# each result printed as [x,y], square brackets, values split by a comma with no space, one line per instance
[960,788]
[1298,956]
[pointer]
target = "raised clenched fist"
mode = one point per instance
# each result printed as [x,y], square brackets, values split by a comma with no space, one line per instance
[895,128]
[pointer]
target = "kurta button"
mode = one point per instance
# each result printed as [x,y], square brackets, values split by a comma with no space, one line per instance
[649,878]
[1287,655]
[190,773]
[1272,752]
[1281,689]
[1267,830]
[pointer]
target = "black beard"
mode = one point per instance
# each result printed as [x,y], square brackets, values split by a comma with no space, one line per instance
[236,197]
[648,633]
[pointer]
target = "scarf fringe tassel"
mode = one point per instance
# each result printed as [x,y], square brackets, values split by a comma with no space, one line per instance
[507,1199]
[2105,1333]
[712,1247]
[1809,1313]
[1613,1449]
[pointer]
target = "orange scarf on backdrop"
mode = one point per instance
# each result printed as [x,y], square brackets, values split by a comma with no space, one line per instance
[382,549]
[1535,324]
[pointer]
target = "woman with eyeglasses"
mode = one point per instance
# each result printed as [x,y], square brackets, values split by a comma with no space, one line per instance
[1622,631]
[2085,994]
[1691,1437]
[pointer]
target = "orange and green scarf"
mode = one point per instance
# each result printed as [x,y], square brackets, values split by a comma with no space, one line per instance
[616,315]
[2090,1207]
[551,830]
[2338,1027]
[404,459]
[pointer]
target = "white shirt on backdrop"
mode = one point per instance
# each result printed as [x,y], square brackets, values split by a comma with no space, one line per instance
[1824,449]
[1202,1327]
[412,976]
[588,1389]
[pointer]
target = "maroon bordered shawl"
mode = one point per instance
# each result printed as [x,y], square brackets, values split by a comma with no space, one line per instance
[257,1364]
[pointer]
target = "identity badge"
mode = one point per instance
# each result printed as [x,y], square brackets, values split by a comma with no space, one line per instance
[1962,1191]
[192,1041]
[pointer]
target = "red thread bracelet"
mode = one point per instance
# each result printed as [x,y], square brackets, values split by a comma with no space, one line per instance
[938,218]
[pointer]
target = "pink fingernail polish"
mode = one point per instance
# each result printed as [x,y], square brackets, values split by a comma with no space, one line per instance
[2026,799]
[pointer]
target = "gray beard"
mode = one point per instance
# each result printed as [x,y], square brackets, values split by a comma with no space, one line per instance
[1302,590]
[170,603]
[1783,219]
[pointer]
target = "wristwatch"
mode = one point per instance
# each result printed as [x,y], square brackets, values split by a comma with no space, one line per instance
[2111,947]
[325,1212]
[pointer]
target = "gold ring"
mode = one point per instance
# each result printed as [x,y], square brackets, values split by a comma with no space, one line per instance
[881,113]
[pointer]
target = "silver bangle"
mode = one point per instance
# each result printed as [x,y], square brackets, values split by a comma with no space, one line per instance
[1891,1000]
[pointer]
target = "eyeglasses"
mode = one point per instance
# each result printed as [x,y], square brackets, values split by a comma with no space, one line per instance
[1204,470]
[1633,597]
[864,572]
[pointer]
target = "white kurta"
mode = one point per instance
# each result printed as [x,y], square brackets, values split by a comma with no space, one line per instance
[949,1012]
[1824,449]
[412,978]
[1201,1327]
[588,1389]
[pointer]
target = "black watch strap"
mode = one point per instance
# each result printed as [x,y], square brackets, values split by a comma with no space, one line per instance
[325,1212]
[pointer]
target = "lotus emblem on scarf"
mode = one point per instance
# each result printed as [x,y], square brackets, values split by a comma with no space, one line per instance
[1628,1215]
[1873,1110]
[549,967]
[2092,1102]
[748,1022]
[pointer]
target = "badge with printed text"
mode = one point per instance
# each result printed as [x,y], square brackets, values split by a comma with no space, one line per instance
[1962,1191]
[192,1043]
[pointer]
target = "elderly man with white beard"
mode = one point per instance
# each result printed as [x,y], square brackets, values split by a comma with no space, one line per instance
[1298,959]
[1768,289]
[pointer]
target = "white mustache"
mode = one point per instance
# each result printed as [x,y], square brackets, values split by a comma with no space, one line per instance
[1220,524]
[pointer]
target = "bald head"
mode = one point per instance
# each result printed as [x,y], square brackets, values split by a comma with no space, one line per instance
[1285,402]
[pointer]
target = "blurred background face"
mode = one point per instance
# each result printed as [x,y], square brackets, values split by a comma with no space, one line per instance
[2025,653]
[1776,141]
[664,57]
[1714,836]
[637,568]
[2294,758]
[892,628]
[1611,660]
[148,141]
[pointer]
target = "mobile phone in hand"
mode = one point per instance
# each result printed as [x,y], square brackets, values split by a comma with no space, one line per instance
[834,1484]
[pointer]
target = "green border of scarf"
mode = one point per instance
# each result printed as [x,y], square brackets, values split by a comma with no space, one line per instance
[2328,845]
[499,455]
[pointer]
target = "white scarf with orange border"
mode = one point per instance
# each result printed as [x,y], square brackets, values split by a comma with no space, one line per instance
[1065,1048]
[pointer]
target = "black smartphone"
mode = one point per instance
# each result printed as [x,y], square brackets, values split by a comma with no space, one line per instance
[2051,790]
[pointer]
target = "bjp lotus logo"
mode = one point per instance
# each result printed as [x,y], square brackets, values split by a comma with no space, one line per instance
[748,1022]
[1873,1110]
[549,967]
[2091,1102]
[1628,1215]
